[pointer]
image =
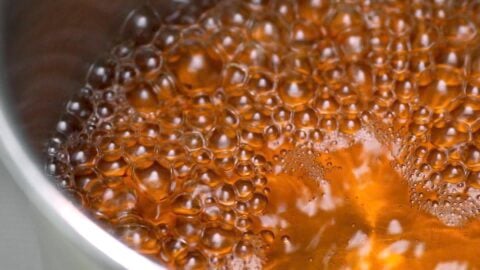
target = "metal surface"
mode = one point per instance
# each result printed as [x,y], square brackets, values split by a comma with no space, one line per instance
[17,233]
[46,47]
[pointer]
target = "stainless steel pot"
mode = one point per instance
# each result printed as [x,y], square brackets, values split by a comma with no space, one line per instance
[46,47]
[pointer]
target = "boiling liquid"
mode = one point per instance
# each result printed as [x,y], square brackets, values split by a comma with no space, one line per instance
[284,134]
[360,218]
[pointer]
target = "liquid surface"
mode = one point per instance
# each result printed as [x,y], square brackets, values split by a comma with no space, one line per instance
[284,135]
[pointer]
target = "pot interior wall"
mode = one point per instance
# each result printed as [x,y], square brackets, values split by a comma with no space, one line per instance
[49,46]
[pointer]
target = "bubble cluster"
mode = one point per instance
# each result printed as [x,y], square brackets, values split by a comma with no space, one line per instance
[172,140]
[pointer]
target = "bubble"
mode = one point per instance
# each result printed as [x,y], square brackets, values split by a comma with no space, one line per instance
[227,41]
[328,106]
[243,223]
[253,139]
[305,119]
[230,118]
[172,119]
[156,181]
[244,168]
[243,249]
[208,177]
[466,115]
[196,66]
[235,77]
[260,82]
[241,103]
[223,139]
[200,119]
[425,36]
[141,25]
[225,163]
[447,136]
[303,33]
[173,248]
[453,174]
[226,195]
[399,24]
[140,154]
[285,9]
[438,88]
[180,139]
[471,158]
[80,107]
[295,90]
[257,203]
[166,37]
[184,204]
[110,201]
[268,236]
[82,158]
[188,228]
[473,180]
[329,124]
[110,148]
[148,61]
[183,169]
[459,31]
[314,11]
[268,30]
[244,188]
[111,168]
[139,237]
[101,74]
[123,50]
[218,240]
[68,125]
[352,45]
[233,14]
[85,182]
[212,212]
[255,120]
[437,159]
[349,126]
[170,152]
[252,54]
[143,99]
[192,260]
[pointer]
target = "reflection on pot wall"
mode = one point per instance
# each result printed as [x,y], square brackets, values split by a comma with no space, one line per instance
[49,46]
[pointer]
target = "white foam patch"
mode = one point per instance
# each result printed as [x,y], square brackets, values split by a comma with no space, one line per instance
[338,141]
[333,142]
[327,201]
[277,169]
[273,145]
[361,170]
[419,250]
[289,246]
[332,250]
[252,263]
[399,247]
[272,221]
[394,227]
[358,240]
[314,242]
[361,242]
[308,207]
[452,265]
[371,145]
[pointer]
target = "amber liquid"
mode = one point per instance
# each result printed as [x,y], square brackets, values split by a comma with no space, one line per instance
[361,218]
[285,135]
